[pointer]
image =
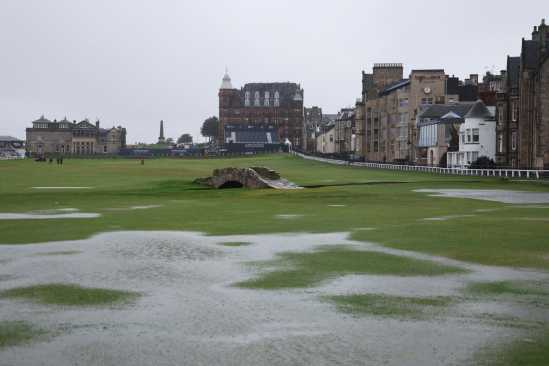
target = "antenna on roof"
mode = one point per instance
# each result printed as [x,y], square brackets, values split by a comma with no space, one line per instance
[226,70]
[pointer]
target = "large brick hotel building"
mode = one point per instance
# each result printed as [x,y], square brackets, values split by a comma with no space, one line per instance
[259,113]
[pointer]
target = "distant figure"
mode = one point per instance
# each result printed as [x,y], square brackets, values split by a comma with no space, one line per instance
[384,159]
[113,156]
[51,160]
[57,160]
[61,161]
[142,161]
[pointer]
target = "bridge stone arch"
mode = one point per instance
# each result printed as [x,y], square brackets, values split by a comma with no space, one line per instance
[252,178]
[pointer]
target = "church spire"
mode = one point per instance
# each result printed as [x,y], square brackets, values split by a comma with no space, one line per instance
[161,139]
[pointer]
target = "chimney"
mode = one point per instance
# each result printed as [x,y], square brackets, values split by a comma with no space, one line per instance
[503,73]
[97,124]
[474,78]
[535,34]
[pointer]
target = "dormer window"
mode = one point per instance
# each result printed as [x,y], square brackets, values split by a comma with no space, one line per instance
[247,95]
[257,94]
[266,103]
[247,103]
[276,95]
[256,102]
[266,94]
[277,103]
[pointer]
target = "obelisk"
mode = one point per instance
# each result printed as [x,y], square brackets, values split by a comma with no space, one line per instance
[161,139]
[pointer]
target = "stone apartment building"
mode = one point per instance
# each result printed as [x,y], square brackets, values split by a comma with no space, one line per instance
[522,105]
[71,138]
[390,103]
[311,123]
[344,130]
[278,106]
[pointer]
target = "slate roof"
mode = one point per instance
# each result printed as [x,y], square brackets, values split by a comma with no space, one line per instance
[367,82]
[9,139]
[479,110]
[394,86]
[530,53]
[290,90]
[329,117]
[42,120]
[513,64]
[439,110]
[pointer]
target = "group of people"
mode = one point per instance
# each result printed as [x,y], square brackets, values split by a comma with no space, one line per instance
[59,160]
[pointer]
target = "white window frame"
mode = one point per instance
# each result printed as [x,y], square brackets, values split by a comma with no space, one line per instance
[476,136]
[514,140]
[515,112]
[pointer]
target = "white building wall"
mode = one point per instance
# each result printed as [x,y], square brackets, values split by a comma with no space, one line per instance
[470,149]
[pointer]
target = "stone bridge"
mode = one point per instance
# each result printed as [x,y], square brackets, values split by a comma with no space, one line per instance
[256,177]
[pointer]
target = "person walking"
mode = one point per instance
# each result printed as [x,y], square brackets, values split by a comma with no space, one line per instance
[57,160]
[61,160]
[51,160]
[142,161]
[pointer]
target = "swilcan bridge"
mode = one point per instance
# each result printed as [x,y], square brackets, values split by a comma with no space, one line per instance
[256,177]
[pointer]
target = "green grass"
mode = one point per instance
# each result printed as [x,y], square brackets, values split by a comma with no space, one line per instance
[302,270]
[234,243]
[505,287]
[493,238]
[390,306]
[70,295]
[15,333]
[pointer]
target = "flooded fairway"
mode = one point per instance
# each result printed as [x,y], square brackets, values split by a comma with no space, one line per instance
[190,311]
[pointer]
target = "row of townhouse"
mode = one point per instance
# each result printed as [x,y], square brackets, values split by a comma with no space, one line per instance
[389,108]
[412,119]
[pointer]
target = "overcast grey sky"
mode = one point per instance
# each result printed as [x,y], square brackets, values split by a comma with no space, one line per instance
[134,63]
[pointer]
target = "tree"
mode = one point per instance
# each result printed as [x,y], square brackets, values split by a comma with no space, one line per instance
[454,136]
[482,161]
[169,140]
[210,127]
[185,138]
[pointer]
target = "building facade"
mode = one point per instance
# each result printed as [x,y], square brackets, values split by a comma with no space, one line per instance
[279,105]
[11,146]
[312,122]
[477,137]
[522,105]
[390,103]
[434,123]
[72,138]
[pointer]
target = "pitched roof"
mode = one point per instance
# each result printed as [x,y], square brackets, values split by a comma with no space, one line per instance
[42,120]
[367,82]
[9,139]
[513,64]
[439,110]
[479,110]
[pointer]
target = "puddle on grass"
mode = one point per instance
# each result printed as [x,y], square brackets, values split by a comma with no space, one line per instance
[490,195]
[191,311]
[15,216]
[288,216]
[133,208]
[443,218]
